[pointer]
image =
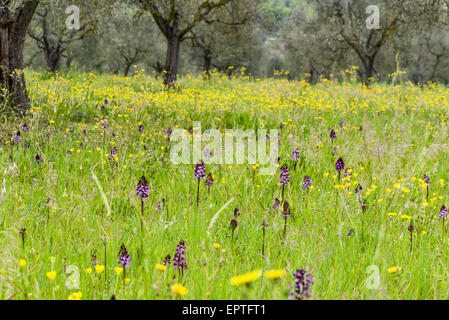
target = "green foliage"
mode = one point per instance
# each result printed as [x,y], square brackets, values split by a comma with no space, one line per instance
[77,199]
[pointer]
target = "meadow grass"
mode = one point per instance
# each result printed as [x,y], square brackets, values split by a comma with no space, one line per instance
[78,202]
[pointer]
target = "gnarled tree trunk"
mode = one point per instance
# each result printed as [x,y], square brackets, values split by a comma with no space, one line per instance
[12,38]
[53,57]
[207,63]
[172,58]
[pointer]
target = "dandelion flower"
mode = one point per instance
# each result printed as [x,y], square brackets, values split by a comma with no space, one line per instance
[76,296]
[394,269]
[274,274]
[246,278]
[51,275]
[99,268]
[118,270]
[179,289]
[161,267]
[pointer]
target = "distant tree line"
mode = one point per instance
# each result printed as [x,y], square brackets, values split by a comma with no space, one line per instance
[312,39]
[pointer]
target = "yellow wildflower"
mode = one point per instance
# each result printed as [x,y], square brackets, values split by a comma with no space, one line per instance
[178,289]
[76,296]
[246,278]
[51,275]
[394,269]
[274,274]
[99,268]
[161,267]
[118,270]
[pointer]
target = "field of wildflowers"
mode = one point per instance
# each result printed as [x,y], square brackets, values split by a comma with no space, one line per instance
[91,206]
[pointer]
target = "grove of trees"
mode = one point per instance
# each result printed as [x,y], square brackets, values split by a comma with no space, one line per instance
[312,39]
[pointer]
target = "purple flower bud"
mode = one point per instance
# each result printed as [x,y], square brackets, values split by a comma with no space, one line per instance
[25,127]
[105,123]
[141,128]
[17,137]
[427,180]
[94,260]
[166,261]
[236,212]
[233,224]
[295,155]
[340,164]
[342,123]
[284,175]
[123,258]
[209,180]
[264,224]
[142,189]
[276,203]
[161,205]
[112,153]
[307,183]
[443,212]
[287,212]
[303,282]
[208,154]
[179,260]
[200,171]
[332,134]
[349,234]
[38,159]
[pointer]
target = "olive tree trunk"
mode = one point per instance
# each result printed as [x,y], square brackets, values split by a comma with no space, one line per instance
[13,28]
